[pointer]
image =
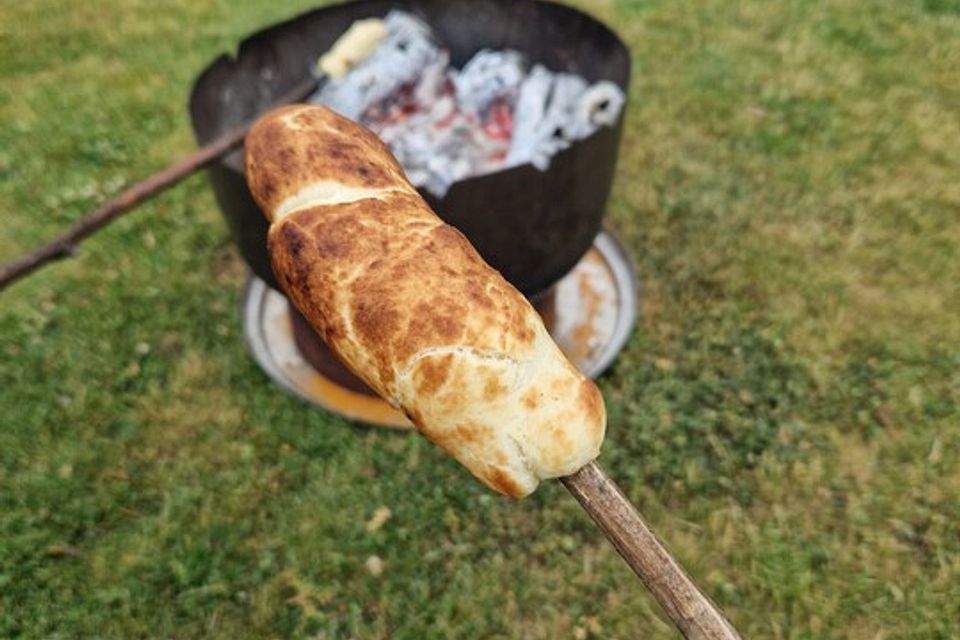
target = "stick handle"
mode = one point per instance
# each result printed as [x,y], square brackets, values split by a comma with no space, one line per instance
[688,607]
[66,243]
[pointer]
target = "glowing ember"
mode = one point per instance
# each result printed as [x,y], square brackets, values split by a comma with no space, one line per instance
[445,124]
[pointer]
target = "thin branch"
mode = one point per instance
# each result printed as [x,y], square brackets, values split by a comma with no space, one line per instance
[694,614]
[65,245]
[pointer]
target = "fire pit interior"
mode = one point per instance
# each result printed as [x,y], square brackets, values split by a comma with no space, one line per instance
[531,225]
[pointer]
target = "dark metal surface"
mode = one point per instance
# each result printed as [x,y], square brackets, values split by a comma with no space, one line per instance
[530,225]
[316,352]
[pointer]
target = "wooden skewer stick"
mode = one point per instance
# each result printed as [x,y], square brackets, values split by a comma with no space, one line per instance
[65,244]
[694,614]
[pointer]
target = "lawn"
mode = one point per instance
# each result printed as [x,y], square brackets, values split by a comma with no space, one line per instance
[787,413]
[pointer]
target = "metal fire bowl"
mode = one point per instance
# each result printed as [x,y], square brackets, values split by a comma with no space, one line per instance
[530,225]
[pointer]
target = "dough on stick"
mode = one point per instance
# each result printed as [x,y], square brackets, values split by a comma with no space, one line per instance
[411,307]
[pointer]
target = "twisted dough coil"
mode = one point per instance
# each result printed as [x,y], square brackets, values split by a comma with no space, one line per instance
[408,304]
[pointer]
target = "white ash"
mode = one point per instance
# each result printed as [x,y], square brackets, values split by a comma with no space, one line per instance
[445,124]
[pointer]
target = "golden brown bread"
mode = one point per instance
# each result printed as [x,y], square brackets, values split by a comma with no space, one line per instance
[408,304]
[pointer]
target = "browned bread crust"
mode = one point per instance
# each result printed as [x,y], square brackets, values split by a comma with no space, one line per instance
[412,309]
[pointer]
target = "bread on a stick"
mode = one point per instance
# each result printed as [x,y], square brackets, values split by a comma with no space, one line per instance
[408,304]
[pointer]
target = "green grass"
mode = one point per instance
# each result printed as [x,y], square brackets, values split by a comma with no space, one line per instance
[787,413]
